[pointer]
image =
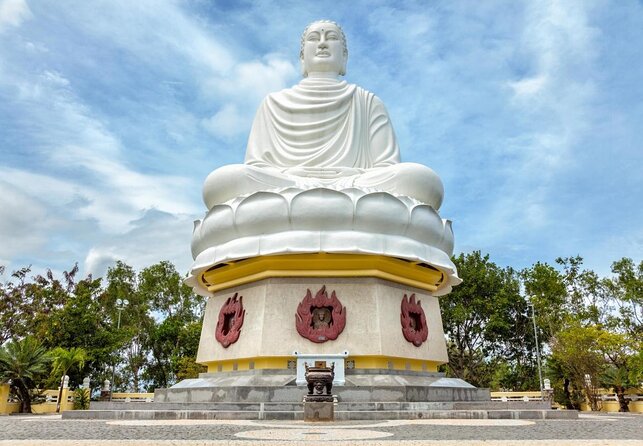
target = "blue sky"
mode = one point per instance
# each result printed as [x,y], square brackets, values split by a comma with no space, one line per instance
[112,113]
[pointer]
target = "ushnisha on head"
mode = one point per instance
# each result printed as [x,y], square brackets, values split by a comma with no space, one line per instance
[323,50]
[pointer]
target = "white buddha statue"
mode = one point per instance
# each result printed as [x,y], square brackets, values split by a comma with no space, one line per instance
[323,132]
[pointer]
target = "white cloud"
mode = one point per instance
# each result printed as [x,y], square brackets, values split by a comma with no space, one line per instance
[118,194]
[44,188]
[98,261]
[55,78]
[154,237]
[84,158]
[22,222]
[525,88]
[242,89]
[13,13]
[253,80]
[227,122]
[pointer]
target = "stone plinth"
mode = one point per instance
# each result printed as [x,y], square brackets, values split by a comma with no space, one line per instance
[319,411]
[372,332]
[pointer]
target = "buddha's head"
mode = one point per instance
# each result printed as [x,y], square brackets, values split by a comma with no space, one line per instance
[323,49]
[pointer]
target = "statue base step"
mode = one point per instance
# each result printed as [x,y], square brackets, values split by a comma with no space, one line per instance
[367,395]
[279,386]
[342,411]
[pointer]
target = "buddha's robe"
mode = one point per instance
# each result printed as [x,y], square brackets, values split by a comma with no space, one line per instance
[323,132]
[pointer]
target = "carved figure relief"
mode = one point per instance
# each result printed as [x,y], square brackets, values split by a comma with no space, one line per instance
[230,321]
[414,327]
[320,318]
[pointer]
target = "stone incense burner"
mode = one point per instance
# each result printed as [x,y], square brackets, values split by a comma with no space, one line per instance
[320,383]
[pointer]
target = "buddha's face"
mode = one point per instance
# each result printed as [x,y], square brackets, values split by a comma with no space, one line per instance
[323,50]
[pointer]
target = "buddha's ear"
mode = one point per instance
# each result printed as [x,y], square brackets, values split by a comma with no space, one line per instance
[342,71]
[304,73]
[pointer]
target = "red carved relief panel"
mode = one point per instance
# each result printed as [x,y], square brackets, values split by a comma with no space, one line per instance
[414,327]
[230,321]
[320,318]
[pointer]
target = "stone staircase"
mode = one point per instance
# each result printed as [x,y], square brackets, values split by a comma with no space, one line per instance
[360,410]
[266,395]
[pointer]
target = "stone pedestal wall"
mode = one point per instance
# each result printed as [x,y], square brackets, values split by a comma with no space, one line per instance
[372,333]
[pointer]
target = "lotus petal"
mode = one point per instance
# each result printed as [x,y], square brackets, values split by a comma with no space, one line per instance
[261,213]
[320,209]
[217,227]
[381,213]
[426,225]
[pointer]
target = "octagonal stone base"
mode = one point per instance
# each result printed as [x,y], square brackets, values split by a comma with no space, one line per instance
[372,335]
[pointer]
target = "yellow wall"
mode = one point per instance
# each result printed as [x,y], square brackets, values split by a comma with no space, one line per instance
[612,406]
[606,406]
[50,407]
[5,406]
[361,362]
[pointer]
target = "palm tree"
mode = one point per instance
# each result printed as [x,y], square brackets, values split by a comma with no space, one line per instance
[21,362]
[65,360]
[618,378]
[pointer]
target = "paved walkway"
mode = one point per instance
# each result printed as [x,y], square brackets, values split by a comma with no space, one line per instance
[589,430]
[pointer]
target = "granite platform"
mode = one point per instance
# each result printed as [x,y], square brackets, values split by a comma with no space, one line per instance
[367,395]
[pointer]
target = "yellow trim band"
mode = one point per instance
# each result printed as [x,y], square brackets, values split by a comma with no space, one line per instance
[240,272]
[361,362]
[230,365]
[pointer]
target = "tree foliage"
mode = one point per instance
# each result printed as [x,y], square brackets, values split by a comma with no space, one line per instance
[63,361]
[23,363]
[159,326]
[490,341]
[592,326]
[589,328]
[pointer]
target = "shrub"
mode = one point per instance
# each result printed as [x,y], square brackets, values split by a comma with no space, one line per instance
[81,399]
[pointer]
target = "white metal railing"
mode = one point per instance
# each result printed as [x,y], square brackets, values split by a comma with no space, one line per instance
[133,397]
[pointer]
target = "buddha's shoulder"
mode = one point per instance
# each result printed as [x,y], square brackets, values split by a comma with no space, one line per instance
[341,90]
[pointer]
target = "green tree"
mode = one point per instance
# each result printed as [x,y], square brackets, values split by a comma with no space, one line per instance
[160,327]
[590,324]
[63,361]
[12,309]
[622,369]
[577,351]
[618,379]
[625,293]
[178,313]
[129,345]
[27,304]
[23,362]
[545,286]
[185,366]
[83,321]
[490,341]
